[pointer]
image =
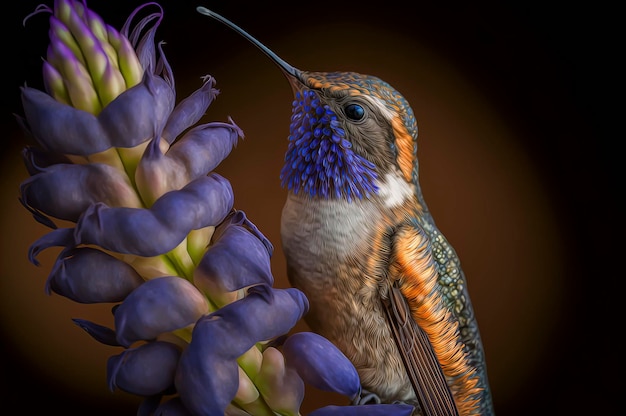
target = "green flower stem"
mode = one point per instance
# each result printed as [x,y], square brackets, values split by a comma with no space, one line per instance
[181,260]
[197,243]
[148,267]
[173,338]
[129,158]
[77,160]
[109,157]
[224,298]
[184,333]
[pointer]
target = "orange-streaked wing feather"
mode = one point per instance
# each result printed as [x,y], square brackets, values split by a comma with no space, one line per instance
[430,342]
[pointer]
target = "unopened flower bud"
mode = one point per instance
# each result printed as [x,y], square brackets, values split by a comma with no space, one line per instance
[235,260]
[65,191]
[145,370]
[281,386]
[159,305]
[321,364]
[88,275]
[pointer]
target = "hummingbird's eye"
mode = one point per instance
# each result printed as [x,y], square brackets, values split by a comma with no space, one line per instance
[354,112]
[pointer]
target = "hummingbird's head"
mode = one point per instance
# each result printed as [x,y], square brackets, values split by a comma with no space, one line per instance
[349,134]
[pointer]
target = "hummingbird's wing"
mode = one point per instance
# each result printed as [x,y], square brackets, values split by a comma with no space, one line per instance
[426,331]
[425,373]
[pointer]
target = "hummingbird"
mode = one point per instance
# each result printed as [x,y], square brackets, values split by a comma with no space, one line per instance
[384,284]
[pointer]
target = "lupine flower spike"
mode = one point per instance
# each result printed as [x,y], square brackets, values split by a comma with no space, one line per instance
[154,231]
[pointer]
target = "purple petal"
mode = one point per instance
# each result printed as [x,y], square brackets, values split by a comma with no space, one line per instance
[159,305]
[135,116]
[238,217]
[172,407]
[38,216]
[206,380]
[190,110]
[36,160]
[365,410]
[61,128]
[64,191]
[138,113]
[63,237]
[204,202]
[88,275]
[146,370]
[236,260]
[151,232]
[265,313]
[100,333]
[321,364]
[195,155]
[204,147]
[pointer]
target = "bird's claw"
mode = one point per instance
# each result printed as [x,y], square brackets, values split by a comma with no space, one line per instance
[366,397]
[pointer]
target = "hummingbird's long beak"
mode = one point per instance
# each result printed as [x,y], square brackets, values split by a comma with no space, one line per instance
[293,74]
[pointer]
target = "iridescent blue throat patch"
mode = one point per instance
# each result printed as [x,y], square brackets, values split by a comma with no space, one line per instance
[319,160]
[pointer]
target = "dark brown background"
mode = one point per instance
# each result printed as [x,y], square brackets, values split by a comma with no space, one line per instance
[519,166]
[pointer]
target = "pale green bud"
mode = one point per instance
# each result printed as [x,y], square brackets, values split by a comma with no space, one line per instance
[77,79]
[281,387]
[111,85]
[129,64]
[54,84]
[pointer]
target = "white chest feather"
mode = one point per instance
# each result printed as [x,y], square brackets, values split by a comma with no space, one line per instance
[338,227]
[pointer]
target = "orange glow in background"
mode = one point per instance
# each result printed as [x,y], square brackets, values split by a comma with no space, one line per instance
[499,111]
